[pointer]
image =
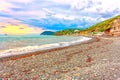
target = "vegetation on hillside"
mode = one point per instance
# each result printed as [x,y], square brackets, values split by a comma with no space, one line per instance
[99,27]
[102,26]
[68,32]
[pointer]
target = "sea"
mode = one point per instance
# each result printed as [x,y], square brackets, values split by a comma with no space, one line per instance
[21,44]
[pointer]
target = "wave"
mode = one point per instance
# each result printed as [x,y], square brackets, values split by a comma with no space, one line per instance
[28,49]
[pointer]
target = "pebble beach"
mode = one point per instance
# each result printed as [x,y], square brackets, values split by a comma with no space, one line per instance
[96,59]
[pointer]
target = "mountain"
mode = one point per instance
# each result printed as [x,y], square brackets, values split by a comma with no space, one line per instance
[109,26]
[47,33]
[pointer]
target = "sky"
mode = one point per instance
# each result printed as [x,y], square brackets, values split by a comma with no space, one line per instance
[55,14]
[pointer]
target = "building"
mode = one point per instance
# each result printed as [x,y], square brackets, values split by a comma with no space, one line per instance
[115,29]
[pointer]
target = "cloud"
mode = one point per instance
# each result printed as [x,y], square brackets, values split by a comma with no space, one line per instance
[59,14]
[12,26]
[20,1]
[63,16]
[20,29]
[5,6]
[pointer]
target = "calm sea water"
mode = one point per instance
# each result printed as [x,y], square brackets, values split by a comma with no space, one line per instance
[9,42]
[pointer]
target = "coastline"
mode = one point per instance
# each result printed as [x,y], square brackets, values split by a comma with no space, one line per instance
[31,49]
[28,54]
[95,59]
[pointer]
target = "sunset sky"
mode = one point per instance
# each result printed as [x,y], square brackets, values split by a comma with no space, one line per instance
[53,14]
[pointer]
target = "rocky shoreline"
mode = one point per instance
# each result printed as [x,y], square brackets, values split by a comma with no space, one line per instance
[97,59]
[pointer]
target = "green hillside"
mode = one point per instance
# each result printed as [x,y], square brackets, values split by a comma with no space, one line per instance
[68,32]
[99,27]
[102,26]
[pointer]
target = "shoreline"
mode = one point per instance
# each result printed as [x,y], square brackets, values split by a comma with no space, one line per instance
[31,49]
[94,59]
[29,54]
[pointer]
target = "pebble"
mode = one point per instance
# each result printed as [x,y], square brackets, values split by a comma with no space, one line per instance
[118,78]
[115,75]
[104,59]
[77,74]
[33,70]
[1,79]
[33,56]
[97,74]
[76,68]
[112,69]
[67,78]
[82,78]
[8,79]
[4,74]
[1,68]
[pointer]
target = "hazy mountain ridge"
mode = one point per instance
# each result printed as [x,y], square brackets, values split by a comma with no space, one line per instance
[47,33]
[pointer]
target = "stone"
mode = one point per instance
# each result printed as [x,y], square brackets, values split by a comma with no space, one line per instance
[33,70]
[77,74]
[115,75]
[33,56]
[1,79]
[118,78]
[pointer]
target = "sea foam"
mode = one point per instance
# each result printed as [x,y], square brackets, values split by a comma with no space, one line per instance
[28,49]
